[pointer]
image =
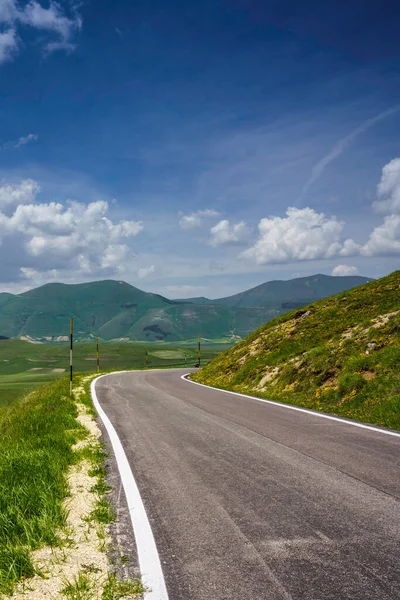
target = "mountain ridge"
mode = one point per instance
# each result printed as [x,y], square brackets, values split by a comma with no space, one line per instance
[299,289]
[116,310]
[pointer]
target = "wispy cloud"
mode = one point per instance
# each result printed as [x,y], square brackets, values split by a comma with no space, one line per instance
[196,218]
[22,141]
[342,144]
[8,45]
[51,18]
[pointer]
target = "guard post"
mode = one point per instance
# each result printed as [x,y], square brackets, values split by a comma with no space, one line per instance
[71,334]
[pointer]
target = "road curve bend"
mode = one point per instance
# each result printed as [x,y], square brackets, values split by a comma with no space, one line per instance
[252,501]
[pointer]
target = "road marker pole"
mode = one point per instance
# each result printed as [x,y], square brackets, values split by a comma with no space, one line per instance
[198,352]
[147,360]
[97,355]
[71,333]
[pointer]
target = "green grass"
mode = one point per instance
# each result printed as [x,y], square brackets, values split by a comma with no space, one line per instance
[334,355]
[18,358]
[81,588]
[37,434]
[116,589]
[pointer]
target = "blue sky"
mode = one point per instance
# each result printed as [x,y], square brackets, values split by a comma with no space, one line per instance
[198,148]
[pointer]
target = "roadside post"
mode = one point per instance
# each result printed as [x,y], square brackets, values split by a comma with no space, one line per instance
[97,355]
[147,360]
[71,333]
[199,350]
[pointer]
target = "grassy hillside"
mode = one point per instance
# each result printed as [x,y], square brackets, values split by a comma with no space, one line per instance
[24,366]
[338,355]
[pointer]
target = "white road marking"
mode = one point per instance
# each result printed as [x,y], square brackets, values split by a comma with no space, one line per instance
[149,560]
[303,410]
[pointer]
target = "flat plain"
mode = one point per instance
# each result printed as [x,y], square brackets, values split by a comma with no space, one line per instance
[24,366]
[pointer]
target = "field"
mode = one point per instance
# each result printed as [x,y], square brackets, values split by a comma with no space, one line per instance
[25,366]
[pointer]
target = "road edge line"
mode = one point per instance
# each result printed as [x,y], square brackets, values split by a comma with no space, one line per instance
[297,408]
[149,560]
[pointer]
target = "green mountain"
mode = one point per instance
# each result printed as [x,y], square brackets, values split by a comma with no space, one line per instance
[115,310]
[338,355]
[288,294]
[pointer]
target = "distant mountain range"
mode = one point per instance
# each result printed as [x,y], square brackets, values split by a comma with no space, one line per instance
[117,311]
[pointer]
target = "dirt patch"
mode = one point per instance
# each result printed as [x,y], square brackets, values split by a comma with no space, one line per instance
[382,320]
[268,377]
[368,375]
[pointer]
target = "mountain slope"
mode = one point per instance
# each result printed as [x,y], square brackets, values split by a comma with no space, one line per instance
[295,292]
[339,355]
[45,311]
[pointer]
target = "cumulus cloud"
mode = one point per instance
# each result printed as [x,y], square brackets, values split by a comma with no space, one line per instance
[225,232]
[389,188]
[21,193]
[145,271]
[344,270]
[196,218]
[384,239]
[303,234]
[52,19]
[72,236]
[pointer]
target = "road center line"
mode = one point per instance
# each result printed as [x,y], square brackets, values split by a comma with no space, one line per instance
[290,407]
[149,560]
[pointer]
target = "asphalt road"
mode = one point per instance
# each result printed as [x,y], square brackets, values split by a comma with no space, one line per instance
[252,501]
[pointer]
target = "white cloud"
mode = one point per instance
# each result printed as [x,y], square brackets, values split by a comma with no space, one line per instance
[196,218]
[344,270]
[21,193]
[225,232]
[8,45]
[302,235]
[389,188]
[52,19]
[72,236]
[384,239]
[50,275]
[145,271]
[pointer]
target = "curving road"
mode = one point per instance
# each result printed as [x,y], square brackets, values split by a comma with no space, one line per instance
[252,501]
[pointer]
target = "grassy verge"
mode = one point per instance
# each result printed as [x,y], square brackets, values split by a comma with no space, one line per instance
[54,495]
[36,439]
[340,355]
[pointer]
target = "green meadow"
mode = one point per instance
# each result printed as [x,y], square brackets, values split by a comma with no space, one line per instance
[25,366]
